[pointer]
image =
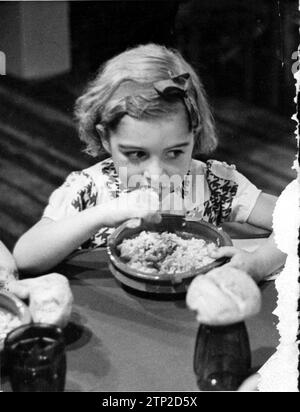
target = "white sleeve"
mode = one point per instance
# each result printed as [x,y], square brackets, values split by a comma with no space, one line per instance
[236,193]
[77,193]
[245,199]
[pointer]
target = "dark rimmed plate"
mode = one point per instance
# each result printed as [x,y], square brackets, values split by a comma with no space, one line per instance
[162,283]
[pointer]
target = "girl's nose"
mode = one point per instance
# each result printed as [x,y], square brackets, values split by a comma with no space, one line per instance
[153,171]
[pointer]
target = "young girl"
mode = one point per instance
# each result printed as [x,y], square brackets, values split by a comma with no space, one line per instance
[147,109]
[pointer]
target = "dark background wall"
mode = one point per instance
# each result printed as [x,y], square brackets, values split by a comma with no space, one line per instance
[241,48]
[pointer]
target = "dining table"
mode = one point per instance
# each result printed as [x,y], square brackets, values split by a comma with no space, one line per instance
[121,340]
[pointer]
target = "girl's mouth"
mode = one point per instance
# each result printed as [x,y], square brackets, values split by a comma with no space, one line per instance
[162,190]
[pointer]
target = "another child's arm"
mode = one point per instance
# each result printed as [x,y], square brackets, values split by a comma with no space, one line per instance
[266,259]
[8,268]
[49,242]
[7,261]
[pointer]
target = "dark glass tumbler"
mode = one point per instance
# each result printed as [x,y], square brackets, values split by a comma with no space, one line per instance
[36,358]
[222,358]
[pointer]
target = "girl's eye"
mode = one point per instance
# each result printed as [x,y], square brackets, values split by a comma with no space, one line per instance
[174,154]
[136,156]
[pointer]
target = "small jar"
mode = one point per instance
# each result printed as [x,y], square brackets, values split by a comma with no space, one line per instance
[222,358]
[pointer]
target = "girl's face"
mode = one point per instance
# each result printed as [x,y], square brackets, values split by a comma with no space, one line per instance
[149,149]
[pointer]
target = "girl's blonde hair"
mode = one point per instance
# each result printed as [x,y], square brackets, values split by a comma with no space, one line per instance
[97,111]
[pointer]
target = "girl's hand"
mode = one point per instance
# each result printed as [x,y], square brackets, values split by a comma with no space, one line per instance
[240,259]
[142,203]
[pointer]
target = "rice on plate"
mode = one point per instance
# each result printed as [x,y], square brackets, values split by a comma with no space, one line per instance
[166,253]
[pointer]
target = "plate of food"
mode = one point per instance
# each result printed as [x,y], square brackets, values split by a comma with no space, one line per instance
[13,313]
[164,257]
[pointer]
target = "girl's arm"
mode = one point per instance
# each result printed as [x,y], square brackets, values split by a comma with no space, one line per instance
[49,242]
[266,259]
[258,264]
[262,214]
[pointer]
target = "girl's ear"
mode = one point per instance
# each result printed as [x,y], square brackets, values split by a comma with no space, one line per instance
[104,140]
[106,145]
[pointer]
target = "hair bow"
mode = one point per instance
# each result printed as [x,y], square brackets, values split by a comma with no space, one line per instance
[175,85]
[179,86]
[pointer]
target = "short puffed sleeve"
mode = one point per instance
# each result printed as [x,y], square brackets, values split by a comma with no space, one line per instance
[232,195]
[77,193]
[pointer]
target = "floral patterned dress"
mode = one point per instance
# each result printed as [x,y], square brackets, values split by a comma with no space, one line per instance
[225,194]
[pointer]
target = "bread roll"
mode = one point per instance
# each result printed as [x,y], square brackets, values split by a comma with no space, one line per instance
[50,298]
[224,296]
